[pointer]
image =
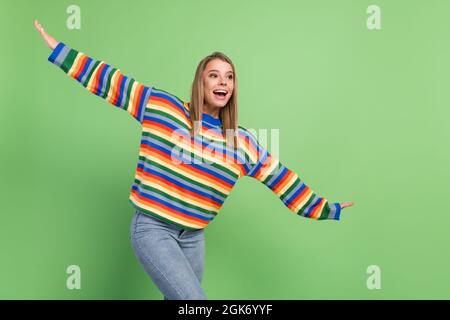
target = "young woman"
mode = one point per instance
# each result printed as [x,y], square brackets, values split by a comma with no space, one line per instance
[191,155]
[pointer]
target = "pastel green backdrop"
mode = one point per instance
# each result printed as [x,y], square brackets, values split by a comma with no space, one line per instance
[362,117]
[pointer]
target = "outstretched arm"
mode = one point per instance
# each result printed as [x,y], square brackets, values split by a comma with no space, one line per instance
[99,77]
[287,185]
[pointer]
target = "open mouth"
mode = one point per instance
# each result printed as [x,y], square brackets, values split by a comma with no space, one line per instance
[220,94]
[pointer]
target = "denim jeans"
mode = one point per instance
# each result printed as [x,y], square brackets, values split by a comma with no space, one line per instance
[172,256]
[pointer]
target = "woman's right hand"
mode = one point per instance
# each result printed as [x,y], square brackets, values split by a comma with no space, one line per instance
[51,42]
[346,204]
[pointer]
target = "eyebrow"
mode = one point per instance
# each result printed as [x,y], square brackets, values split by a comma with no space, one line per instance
[219,71]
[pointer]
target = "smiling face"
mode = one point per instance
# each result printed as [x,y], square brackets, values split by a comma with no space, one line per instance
[218,84]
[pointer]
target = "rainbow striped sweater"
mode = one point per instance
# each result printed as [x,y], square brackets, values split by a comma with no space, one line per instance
[181,179]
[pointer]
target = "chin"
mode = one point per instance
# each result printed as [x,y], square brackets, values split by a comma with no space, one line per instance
[222,105]
[216,104]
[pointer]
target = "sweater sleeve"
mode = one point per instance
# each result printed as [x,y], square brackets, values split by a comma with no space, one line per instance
[103,80]
[286,184]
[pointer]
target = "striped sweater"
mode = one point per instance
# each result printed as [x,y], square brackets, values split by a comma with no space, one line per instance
[181,179]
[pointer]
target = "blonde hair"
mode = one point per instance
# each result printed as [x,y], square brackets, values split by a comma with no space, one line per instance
[227,114]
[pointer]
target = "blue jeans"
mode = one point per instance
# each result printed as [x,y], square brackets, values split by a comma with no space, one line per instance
[172,256]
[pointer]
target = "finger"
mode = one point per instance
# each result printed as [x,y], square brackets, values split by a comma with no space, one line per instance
[346,204]
[39,29]
[38,26]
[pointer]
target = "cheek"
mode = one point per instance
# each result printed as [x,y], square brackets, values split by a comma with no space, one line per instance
[206,90]
[207,86]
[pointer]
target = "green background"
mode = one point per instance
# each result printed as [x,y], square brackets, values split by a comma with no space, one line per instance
[363,117]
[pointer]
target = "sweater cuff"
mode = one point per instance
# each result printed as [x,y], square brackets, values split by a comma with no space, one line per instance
[337,214]
[53,58]
[63,56]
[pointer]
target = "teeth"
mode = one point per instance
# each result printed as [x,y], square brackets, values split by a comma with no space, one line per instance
[223,91]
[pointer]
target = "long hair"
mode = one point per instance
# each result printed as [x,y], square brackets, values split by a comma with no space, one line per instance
[227,114]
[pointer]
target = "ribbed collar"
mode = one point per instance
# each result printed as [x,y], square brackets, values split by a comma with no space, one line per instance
[211,120]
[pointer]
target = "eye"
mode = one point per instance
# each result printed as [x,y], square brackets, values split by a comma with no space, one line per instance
[214,75]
